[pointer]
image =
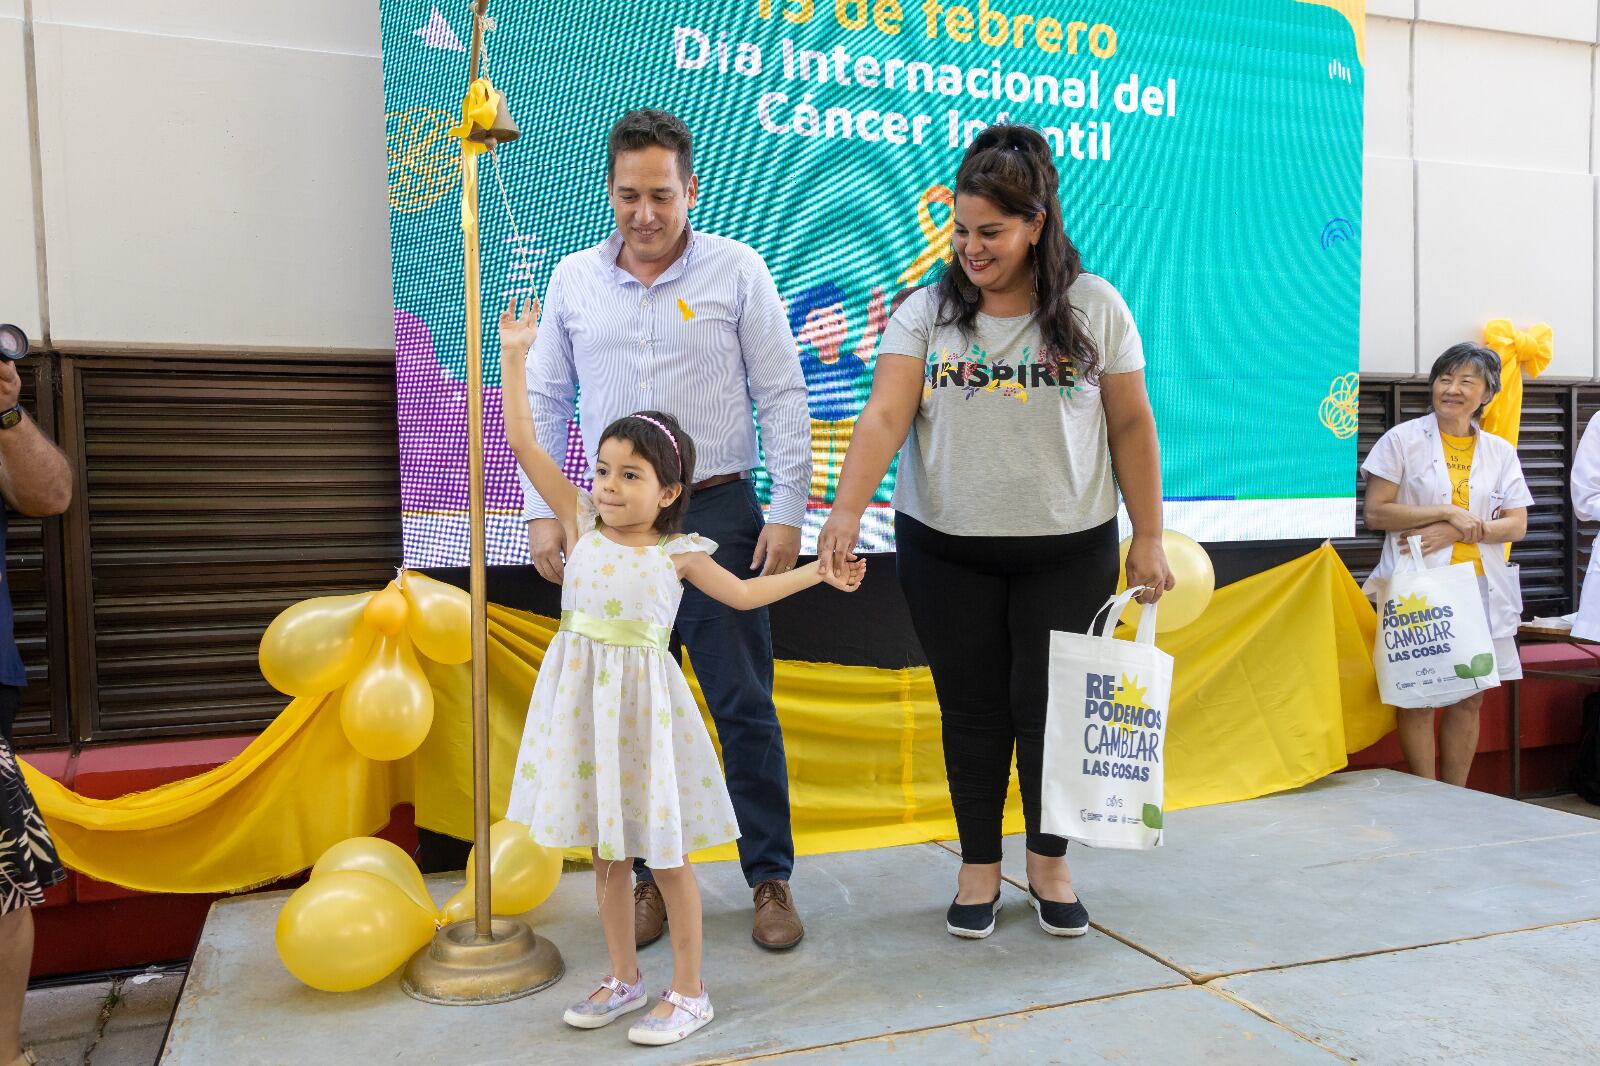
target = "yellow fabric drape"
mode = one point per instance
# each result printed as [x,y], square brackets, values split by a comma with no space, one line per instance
[270,811]
[1521,352]
[1273,686]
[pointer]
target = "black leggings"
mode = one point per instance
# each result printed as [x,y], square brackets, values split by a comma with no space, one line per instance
[983,608]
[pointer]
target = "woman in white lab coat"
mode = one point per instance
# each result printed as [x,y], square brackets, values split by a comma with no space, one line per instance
[1441,477]
[1586,505]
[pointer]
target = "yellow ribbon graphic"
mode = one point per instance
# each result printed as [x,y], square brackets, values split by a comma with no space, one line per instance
[937,235]
[1521,352]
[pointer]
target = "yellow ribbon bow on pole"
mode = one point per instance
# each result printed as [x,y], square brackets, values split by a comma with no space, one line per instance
[1521,352]
[478,110]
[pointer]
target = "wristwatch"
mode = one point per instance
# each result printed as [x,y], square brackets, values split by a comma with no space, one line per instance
[11,417]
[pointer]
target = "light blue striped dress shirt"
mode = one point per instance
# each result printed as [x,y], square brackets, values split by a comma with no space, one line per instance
[705,343]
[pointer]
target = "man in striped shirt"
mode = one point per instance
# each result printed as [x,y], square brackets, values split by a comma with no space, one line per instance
[660,317]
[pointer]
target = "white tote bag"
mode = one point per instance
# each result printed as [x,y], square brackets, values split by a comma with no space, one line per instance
[1105,731]
[1433,647]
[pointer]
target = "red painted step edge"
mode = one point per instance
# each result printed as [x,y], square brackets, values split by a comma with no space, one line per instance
[1552,713]
[86,925]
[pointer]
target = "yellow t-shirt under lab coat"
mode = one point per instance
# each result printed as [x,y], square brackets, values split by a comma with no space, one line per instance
[1458,461]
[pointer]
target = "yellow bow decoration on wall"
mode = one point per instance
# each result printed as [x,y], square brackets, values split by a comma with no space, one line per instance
[1522,352]
[368,645]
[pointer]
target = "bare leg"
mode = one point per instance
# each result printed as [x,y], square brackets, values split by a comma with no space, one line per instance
[977,882]
[1416,739]
[681,893]
[613,890]
[1050,877]
[1458,740]
[16,955]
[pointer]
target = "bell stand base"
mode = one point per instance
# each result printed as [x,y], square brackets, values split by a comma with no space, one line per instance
[456,969]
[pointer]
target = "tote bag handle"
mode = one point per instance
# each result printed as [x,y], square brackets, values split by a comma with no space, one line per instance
[1414,560]
[1117,604]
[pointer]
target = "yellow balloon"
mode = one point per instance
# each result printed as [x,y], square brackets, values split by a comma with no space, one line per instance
[1189,597]
[348,929]
[316,645]
[522,874]
[374,855]
[440,618]
[387,611]
[461,906]
[387,708]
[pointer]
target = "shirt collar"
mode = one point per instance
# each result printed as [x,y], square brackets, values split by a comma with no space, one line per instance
[611,247]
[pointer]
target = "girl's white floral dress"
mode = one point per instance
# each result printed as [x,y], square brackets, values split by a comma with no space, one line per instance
[614,754]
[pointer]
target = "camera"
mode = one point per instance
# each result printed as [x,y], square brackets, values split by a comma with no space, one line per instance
[13,342]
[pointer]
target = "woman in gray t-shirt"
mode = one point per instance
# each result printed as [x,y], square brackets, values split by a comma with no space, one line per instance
[1016,385]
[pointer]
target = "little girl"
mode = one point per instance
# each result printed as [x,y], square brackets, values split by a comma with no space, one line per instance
[614,754]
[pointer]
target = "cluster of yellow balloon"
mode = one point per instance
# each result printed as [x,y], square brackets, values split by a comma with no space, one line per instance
[368,643]
[1190,596]
[522,874]
[366,909]
[363,913]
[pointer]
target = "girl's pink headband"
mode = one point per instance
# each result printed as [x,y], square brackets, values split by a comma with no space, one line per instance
[670,438]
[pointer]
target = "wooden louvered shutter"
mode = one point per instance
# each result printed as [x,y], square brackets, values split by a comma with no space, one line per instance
[1545,449]
[33,571]
[1580,535]
[217,495]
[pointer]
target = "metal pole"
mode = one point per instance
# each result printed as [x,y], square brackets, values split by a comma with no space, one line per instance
[478,584]
[489,960]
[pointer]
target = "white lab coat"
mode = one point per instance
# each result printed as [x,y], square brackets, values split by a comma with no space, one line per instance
[1412,456]
[1586,504]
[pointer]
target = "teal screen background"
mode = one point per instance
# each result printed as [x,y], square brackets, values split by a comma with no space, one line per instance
[1231,227]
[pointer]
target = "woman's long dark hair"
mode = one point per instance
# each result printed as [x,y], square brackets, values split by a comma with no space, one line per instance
[1012,167]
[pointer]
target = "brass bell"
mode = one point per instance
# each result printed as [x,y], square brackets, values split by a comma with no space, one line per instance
[504,128]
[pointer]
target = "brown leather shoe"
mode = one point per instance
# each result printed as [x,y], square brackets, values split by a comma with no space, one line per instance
[777,926]
[649,913]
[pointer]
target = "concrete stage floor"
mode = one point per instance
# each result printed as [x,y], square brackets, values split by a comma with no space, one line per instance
[1371,916]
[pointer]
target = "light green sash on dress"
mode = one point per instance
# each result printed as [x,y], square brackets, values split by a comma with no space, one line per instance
[617,632]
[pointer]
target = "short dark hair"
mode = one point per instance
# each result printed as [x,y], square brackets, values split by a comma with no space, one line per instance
[645,127]
[1485,360]
[672,459]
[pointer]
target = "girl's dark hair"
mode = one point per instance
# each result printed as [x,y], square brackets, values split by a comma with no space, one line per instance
[1485,360]
[1012,167]
[673,466]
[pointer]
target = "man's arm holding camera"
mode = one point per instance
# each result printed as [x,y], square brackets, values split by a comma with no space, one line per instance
[35,478]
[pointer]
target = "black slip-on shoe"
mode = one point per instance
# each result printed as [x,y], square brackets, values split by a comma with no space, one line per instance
[1060,919]
[973,921]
